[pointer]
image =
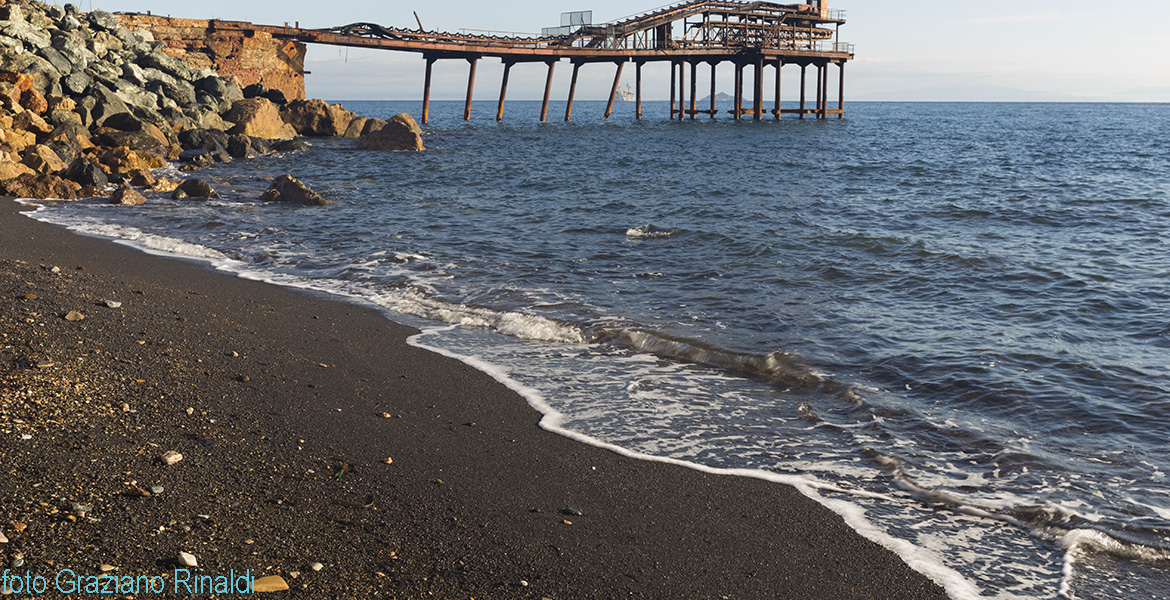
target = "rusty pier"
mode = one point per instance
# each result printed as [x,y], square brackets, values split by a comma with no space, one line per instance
[755,36]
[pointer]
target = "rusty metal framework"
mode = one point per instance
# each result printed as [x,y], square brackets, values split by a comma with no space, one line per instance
[743,32]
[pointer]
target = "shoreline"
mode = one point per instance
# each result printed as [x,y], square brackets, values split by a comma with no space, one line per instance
[285,444]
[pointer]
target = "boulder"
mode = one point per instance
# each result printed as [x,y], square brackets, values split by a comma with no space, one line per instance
[26,32]
[11,168]
[64,151]
[40,186]
[72,134]
[168,64]
[289,146]
[196,157]
[194,189]
[127,196]
[105,104]
[400,133]
[240,146]
[101,19]
[276,96]
[32,123]
[122,160]
[316,117]
[87,173]
[360,126]
[143,179]
[287,188]
[16,140]
[42,159]
[34,101]
[256,90]
[22,81]
[259,117]
[140,141]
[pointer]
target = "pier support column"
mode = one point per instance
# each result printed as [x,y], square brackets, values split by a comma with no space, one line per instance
[738,108]
[713,65]
[638,90]
[820,83]
[572,91]
[841,92]
[426,112]
[682,90]
[470,89]
[674,89]
[759,89]
[617,79]
[825,91]
[803,87]
[694,88]
[779,69]
[503,91]
[547,90]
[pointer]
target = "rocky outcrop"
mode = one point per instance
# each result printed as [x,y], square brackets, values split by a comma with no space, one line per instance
[88,101]
[259,117]
[316,117]
[287,188]
[401,133]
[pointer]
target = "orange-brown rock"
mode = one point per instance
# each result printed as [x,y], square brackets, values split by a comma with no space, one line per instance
[10,97]
[42,159]
[253,58]
[39,186]
[16,140]
[163,184]
[32,123]
[141,178]
[34,101]
[400,133]
[22,81]
[259,117]
[127,196]
[316,117]
[61,103]
[10,167]
[121,160]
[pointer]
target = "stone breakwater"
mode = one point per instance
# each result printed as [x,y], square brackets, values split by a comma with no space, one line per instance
[90,108]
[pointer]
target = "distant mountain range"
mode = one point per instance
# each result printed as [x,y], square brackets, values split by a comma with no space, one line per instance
[720,97]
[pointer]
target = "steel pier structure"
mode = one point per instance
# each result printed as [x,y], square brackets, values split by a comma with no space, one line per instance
[749,35]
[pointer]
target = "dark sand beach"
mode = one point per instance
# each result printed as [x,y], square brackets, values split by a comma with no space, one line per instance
[276,398]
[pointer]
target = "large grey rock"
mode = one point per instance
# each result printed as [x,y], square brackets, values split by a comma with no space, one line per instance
[160,82]
[63,65]
[86,172]
[103,20]
[106,104]
[69,23]
[102,71]
[25,32]
[72,47]
[136,97]
[134,74]
[76,83]
[168,64]
[139,141]
[46,78]
[11,12]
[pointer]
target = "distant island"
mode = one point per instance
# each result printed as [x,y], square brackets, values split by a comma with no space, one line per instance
[720,97]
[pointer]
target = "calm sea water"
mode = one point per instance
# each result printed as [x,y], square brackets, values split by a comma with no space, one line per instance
[947,322]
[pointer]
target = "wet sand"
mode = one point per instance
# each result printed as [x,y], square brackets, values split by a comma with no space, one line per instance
[285,406]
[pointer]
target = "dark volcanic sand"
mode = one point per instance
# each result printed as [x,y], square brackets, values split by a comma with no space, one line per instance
[283,455]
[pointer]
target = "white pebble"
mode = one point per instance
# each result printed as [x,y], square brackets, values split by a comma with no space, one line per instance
[188,560]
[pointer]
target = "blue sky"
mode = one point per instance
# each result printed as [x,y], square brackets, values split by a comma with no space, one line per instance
[987,50]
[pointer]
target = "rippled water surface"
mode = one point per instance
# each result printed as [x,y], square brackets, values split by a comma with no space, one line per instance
[947,322]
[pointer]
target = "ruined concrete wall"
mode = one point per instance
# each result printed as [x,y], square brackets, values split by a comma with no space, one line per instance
[252,57]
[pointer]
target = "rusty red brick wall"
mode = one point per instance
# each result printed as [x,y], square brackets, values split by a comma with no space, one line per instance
[247,58]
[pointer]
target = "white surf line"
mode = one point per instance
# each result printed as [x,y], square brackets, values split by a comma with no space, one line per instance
[920,559]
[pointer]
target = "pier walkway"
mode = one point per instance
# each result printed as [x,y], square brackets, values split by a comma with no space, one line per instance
[747,34]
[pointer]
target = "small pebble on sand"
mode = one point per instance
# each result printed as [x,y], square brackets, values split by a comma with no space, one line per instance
[171,457]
